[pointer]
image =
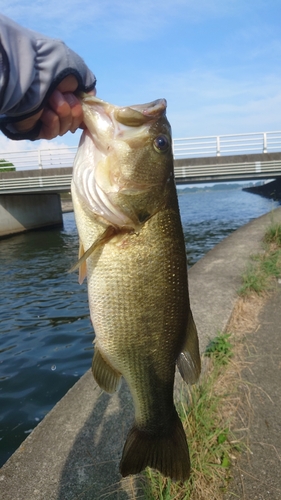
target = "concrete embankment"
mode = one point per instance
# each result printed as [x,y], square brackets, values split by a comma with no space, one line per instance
[24,212]
[75,451]
[270,190]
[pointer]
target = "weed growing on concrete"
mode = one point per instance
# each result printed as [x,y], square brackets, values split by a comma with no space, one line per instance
[273,234]
[264,266]
[253,280]
[220,348]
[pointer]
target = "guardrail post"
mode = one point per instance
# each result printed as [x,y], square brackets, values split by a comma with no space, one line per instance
[218,146]
[39,160]
[264,142]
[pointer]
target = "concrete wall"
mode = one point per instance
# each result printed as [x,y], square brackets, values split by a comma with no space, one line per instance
[22,212]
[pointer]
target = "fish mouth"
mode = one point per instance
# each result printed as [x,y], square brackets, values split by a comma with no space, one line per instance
[139,114]
[107,122]
[131,116]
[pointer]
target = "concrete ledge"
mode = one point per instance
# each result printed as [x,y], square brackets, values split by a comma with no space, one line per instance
[23,212]
[75,451]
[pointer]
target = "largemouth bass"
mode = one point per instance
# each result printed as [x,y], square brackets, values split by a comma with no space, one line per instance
[133,253]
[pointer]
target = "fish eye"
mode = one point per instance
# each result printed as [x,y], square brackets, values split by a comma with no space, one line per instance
[161,144]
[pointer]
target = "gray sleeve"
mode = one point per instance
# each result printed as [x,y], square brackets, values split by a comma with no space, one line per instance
[31,67]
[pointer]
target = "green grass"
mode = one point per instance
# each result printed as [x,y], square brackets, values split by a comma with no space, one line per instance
[6,166]
[208,433]
[273,234]
[258,277]
[220,348]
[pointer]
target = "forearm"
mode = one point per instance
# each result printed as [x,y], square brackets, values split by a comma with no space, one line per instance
[31,68]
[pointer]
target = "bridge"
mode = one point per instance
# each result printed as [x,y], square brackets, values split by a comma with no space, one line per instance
[237,157]
[30,191]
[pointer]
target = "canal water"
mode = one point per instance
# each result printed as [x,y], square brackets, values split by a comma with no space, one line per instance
[46,335]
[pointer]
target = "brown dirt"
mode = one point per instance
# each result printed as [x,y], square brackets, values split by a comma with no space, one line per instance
[256,324]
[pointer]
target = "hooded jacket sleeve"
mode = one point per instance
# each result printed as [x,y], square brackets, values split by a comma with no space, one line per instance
[31,67]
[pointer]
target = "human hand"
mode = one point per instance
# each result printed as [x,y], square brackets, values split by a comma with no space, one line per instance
[62,113]
[38,100]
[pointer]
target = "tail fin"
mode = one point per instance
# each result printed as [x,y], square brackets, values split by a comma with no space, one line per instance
[168,454]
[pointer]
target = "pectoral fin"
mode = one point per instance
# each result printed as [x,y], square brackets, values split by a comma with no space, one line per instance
[83,266]
[104,374]
[189,362]
[104,238]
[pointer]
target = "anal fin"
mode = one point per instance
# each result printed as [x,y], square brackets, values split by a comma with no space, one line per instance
[189,361]
[104,374]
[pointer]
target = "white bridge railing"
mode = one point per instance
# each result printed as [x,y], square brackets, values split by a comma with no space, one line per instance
[31,159]
[189,147]
[221,145]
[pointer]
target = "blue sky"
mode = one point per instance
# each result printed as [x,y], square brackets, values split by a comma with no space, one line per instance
[217,62]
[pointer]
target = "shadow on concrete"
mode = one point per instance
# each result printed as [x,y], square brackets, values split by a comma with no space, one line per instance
[91,469]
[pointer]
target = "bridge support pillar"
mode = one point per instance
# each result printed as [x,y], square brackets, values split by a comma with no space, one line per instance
[22,212]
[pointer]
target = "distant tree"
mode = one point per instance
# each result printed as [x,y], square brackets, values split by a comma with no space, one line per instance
[6,166]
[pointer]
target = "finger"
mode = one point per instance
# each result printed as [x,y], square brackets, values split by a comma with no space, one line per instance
[75,109]
[60,106]
[27,124]
[64,114]
[50,124]
[68,84]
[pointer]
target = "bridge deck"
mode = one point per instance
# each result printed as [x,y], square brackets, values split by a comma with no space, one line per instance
[187,171]
[228,168]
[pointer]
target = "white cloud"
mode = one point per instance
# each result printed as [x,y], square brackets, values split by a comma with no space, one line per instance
[6,145]
[122,19]
[24,154]
[207,103]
